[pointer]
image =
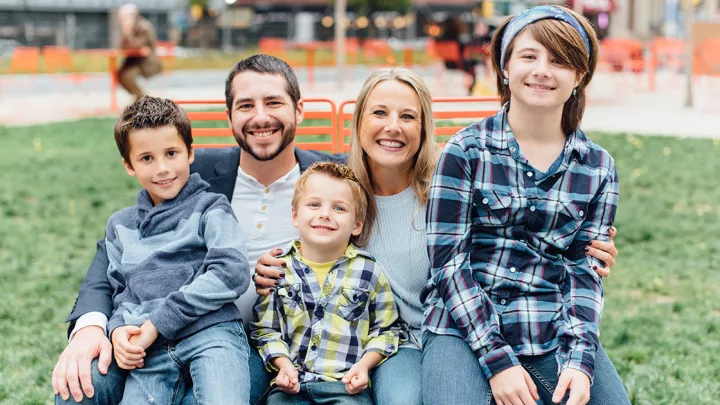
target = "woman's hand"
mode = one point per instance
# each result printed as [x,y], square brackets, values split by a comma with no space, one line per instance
[267,272]
[514,386]
[605,252]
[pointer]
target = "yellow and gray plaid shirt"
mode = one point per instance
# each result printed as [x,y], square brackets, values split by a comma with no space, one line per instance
[326,330]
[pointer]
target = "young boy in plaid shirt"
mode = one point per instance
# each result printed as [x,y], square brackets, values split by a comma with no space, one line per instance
[333,317]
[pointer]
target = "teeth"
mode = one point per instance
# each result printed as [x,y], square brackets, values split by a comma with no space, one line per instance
[263,134]
[164,182]
[391,144]
[535,86]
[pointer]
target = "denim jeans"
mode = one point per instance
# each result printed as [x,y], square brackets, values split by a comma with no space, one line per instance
[216,358]
[109,388]
[451,374]
[398,380]
[319,393]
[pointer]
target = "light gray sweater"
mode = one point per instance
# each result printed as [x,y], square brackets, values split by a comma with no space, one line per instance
[398,242]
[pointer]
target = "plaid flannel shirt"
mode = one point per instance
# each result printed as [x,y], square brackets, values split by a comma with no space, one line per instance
[506,242]
[326,330]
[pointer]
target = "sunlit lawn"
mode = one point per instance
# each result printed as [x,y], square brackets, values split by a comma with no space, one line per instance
[661,326]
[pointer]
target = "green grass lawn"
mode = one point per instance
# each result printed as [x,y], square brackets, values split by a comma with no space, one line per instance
[661,326]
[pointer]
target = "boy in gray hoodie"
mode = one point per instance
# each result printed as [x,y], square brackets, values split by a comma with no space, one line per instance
[178,262]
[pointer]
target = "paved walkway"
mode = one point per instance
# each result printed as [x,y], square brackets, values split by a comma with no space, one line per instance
[618,102]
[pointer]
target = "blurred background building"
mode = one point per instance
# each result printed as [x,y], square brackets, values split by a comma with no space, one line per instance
[91,24]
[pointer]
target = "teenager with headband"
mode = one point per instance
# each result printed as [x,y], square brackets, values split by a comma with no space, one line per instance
[513,306]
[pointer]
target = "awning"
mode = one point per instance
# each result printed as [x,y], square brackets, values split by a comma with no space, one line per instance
[595,6]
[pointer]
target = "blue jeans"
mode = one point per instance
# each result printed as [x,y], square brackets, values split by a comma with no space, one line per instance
[451,374]
[109,388]
[216,359]
[398,380]
[319,393]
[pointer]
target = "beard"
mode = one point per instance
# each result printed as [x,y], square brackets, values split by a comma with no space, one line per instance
[288,135]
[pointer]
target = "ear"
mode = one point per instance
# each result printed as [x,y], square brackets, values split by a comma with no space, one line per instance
[191,154]
[128,168]
[357,230]
[294,217]
[299,112]
[505,73]
[578,80]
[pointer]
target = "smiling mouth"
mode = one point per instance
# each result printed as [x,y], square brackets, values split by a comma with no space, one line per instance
[539,87]
[265,133]
[165,182]
[390,144]
[322,228]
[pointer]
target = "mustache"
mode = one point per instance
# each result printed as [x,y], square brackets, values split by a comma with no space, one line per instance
[268,125]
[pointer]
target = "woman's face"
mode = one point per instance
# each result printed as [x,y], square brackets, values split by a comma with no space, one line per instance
[391,126]
[536,77]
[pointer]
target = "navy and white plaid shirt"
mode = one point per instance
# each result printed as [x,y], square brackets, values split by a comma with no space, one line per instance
[509,272]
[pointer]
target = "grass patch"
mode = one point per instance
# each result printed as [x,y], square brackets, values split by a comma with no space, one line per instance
[661,325]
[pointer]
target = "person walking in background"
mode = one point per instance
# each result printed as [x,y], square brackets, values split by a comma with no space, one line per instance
[138,36]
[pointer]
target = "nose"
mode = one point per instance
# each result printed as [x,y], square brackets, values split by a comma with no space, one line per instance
[392,123]
[261,117]
[161,166]
[325,212]
[542,67]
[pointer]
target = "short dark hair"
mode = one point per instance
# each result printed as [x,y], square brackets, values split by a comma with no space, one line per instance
[265,64]
[150,112]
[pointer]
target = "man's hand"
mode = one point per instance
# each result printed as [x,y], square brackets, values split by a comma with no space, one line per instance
[147,335]
[356,379]
[73,367]
[267,272]
[287,378]
[127,355]
[606,252]
[579,384]
[514,386]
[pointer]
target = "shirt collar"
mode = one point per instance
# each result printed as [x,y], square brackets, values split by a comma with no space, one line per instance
[498,134]
[352,251]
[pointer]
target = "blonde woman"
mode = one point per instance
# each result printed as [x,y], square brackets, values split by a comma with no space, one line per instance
[394,154]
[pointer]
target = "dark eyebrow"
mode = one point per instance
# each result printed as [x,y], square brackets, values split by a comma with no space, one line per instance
[250,100]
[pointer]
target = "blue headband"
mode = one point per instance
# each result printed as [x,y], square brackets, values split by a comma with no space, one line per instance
[528,17]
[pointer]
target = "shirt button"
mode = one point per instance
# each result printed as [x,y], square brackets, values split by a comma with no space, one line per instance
[267,190]
[581,213]
[512,149]
[530,174]
[485,200]
[502,301]
[259,226]
[513,269]
[313,347]
[307,270]
[264,207]
[532,208]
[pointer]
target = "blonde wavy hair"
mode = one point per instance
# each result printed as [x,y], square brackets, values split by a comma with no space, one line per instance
[428,153]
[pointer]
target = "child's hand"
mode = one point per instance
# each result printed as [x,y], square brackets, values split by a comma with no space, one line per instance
[356,379]
[127,355]
[514,386]
[579,384]
[287,380]
[148,334]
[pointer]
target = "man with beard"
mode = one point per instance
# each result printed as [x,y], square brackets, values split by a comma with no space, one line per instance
[264,107]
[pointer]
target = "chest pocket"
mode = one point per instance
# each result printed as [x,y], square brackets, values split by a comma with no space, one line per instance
[291,299]
[492,209]
[570,217]
[352,303]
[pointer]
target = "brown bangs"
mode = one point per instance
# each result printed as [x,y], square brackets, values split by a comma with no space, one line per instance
[562,41]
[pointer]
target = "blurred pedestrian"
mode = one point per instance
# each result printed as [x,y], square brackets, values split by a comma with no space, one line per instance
[138,37]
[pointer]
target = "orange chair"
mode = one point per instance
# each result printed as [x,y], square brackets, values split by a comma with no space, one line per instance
[623,54]
[707,58]
[272,46]
[25,60]
[447,113]
[315,109]
[57,59]
[668,53]
[378,49]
